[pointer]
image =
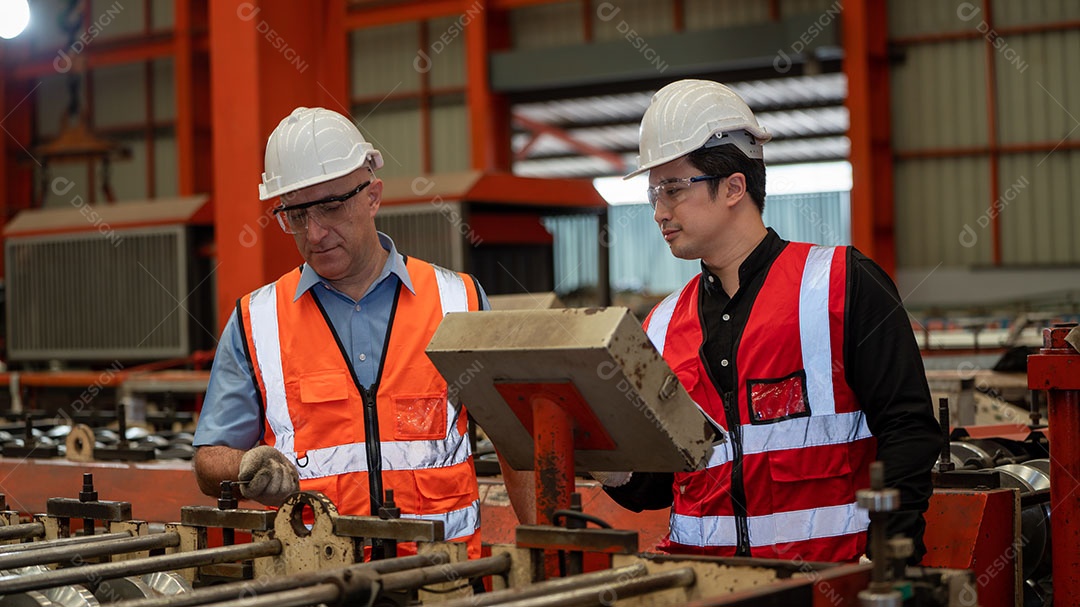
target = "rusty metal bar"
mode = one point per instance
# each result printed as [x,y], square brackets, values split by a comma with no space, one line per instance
[606,594]
[447,572]
[22,531]
[265,585]
[63,541]
[346,587]
[606,576]
[89,550]
[166,562]
[329,594]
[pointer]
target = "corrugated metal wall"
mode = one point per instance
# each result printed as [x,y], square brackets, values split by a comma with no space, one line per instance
[642,262]
[946,204]
[563,24]
[388,68]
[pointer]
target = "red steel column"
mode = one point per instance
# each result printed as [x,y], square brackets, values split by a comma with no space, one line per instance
[1056,369]
[553,457]
[489,112]
[267,57]
[866,64]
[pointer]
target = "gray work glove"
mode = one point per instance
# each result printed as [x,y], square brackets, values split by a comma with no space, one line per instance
[612,479]
[269,476]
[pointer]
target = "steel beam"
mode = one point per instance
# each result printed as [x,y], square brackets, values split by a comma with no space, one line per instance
[866,63]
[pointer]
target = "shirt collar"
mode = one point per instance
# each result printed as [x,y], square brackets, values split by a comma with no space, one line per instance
[395,264]
[759,259]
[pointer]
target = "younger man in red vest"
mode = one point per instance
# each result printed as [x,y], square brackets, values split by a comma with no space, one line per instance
[802,356]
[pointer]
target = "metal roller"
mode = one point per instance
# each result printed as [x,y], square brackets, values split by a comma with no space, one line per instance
[252,588]
[108,571]
[62,541]
[21,531]
[88,550]
[1029,478]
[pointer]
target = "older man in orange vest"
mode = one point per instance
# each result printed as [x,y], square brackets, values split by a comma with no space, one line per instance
[320,380]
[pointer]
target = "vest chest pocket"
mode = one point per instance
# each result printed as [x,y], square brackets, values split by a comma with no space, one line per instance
[420,416]
[327,417]
[774,400]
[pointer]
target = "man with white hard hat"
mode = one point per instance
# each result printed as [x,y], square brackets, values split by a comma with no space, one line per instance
[801,356]
[320,381]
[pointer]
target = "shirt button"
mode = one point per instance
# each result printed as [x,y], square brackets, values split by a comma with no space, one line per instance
[357,307]
[726,316]
[724,363]
[712,279]
[362,357]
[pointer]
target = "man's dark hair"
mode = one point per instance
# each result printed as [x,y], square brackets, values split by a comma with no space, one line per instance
[728,159]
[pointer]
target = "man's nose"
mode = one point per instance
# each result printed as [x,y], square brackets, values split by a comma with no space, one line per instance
[314,231]
[661,213]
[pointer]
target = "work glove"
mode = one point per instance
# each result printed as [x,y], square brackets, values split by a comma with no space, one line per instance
[267,476]
[612,479]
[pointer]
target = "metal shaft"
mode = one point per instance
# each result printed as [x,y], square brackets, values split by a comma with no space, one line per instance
[165,562]
[78,553]
[21,531]
[449,572]
[274,583]
[62,541]
[329,594]
[606,594]
[945,463]
[593,579]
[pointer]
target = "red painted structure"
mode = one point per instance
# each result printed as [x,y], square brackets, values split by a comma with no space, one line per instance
[1056,369]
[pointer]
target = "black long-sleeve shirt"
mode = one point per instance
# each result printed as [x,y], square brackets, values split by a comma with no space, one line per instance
[882,365]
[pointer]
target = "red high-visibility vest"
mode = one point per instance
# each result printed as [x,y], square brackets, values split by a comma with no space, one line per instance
[797,445]
[316,413]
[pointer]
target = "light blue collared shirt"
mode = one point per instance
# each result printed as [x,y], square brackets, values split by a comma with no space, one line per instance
[231,413]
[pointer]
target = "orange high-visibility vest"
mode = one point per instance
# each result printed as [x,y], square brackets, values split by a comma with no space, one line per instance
[782,484]
[352,443]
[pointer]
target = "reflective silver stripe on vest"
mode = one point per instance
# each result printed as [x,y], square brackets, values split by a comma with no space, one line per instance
[771,529]
[813,431]
[661,317]
[264,334]
[456,523]
[396,455]
[814,331]
[452,291]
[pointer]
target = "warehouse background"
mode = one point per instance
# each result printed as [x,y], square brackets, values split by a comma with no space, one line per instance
[959,120]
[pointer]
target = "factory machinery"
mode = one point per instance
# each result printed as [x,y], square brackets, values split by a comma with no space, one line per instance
[558,390]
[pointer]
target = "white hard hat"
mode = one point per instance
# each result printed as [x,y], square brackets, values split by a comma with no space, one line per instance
[690,114]
[311,146]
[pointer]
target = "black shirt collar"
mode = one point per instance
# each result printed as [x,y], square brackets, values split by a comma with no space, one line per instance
[757,262]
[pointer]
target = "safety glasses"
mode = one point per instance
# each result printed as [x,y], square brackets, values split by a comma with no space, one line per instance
[326,213]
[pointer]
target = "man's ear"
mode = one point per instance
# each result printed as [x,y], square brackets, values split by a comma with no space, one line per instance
[373,194]
[734,189]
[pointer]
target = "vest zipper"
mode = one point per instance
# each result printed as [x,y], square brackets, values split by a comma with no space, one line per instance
[374,449]
[738,489]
